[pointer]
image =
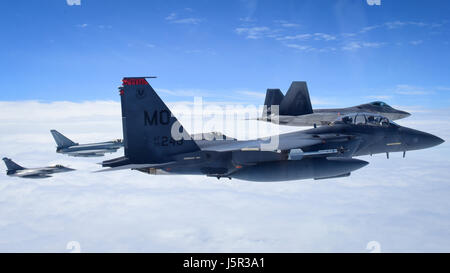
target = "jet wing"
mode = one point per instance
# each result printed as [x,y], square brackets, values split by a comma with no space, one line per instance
[274,143]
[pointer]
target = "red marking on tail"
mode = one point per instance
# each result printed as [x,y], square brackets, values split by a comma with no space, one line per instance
[134,81]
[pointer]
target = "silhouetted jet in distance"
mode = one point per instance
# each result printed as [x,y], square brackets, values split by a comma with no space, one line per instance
[295,108]
[68,147]
[13,169]
[156,143]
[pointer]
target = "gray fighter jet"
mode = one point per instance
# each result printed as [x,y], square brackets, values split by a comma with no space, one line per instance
[16,170]
[156,143]
[295,108]
[67,146]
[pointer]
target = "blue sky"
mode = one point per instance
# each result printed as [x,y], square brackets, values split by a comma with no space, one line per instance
[347,51]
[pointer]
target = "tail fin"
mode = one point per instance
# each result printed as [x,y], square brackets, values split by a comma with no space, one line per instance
[273,97]
[296,102]
[61,140]
[151,133]
[11,165]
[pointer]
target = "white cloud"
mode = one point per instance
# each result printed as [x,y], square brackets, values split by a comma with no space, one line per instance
[324,36]
[286,24]
[358,45]
[82,25]
[174,18]
[300,47]
[289,25]
[73,2]
[247,19]
[398,24]
[284,31]
[131,211]
[417,42]
[306,36]
[301,37]
[193,21]
[260,95]
[443,88]
[253,32]
[405,89]
[171,16]
[379,97]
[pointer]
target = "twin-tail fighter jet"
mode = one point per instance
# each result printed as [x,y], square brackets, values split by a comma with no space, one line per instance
[13,169]
[156,143]
[295,108]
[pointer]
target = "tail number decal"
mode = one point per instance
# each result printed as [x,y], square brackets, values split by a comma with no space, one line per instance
[166,141]
[158,117]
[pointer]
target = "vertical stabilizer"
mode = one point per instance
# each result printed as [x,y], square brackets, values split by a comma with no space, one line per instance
[151,133]
[296,102]
[61,140]
[11,165]
[273,97]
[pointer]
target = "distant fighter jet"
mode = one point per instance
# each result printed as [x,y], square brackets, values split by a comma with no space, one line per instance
[295,108]
[67,146]
[156,143]
[16,170]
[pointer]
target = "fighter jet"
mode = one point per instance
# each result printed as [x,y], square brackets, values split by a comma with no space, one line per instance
[295,108]
[16,170]
[367,134]
[67,146]
[156,143]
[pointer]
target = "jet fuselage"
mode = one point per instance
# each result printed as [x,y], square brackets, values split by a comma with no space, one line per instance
[93,149]
[326,116]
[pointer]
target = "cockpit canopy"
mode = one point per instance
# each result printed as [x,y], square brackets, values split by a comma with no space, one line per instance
[379,103]
[365,119]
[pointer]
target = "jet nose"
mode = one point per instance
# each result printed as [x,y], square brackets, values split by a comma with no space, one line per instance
[420,140]
[437,140]
[404,114]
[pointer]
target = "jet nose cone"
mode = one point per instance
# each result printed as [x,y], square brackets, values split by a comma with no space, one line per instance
[429,140]
[437,140]
[420,140]
[399,114]
[404,114]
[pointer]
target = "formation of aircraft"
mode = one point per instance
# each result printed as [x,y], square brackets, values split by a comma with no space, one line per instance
[68,147]
[295,108]
[43,172]
[155,142]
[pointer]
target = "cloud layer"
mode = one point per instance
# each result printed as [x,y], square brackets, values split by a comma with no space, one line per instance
[401,203]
